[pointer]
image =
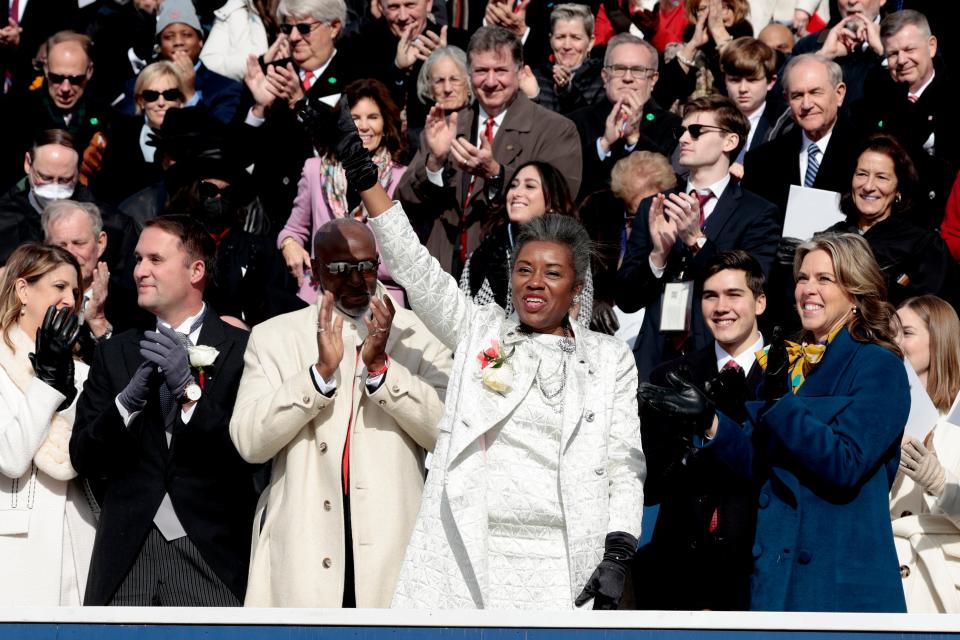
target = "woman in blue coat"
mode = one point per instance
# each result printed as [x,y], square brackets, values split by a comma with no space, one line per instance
[823,444]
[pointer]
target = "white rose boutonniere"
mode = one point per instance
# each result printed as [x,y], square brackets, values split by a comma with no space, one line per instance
[497,373]
[201,356]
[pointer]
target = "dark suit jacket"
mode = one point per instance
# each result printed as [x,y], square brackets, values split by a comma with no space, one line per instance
[210,485]
[694,568]
[740,220]
[770,169]
[529,132]
[656,134]
[856,66]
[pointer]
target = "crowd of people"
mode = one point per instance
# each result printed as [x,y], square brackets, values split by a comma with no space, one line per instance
[558,240]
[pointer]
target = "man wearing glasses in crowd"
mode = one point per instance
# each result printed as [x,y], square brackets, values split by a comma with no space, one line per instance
[344,398]
[62,103]
[676,234]
[629,119]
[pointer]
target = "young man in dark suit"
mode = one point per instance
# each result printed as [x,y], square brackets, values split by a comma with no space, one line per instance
[675,235]
[152,429]
[701,547]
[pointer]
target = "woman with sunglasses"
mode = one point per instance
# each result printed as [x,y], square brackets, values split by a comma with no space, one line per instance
[323,193]
[128,160]
[925,498]
[47,525]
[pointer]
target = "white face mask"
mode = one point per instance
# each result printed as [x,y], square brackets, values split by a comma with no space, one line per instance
[53,191]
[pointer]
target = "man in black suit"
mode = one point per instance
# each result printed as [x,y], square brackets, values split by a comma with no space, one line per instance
[700,554]
[815,91]
[628,119]
[152,427]
[674,236]
[303,62]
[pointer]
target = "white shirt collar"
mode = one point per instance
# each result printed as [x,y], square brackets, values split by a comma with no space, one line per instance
[745,359]
[919,92]
[717,188]
[755,117]
[821,143]
[184,327]
[498,119]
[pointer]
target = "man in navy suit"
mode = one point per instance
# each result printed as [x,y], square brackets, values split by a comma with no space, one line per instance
[152,430]
[675,235]
[700,553]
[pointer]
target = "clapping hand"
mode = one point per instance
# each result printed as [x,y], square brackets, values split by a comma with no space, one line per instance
[374,353]
[663,231]
[682,402]
[776,381]
[164,349]
[52,358]
[922,466]
[329,338]
[440,131]
[728,390]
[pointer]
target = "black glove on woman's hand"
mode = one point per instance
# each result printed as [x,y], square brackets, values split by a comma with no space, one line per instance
[52,359]
[357,162]
[776,380]
[682,402]
[728,390]
[605,585]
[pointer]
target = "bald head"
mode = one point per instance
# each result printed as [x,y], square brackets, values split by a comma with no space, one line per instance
[777,37]
[346,262]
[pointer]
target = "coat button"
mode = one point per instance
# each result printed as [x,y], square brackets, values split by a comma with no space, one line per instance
[306,399]
[327,563]
[904,571]
[757,551]
[327,505]
[599,471]
[804,556]
[589,416]
[396,388]
[906,514]
[382,403]
[286,180]
[323,447]
[763,500]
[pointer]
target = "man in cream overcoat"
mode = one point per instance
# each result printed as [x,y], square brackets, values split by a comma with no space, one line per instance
[344,398]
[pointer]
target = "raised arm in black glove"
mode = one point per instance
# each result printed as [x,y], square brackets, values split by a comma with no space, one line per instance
[728,390]
[605,585]
[682,402]
[776,380]
[53,358]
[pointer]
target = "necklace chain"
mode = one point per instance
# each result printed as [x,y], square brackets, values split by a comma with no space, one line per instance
[549,389]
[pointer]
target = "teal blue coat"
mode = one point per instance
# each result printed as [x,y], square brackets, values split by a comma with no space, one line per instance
[825,458]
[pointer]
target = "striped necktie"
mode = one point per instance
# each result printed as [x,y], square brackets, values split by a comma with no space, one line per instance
[813,164]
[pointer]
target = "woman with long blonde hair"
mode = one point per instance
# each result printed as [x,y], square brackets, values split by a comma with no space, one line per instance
[46,515]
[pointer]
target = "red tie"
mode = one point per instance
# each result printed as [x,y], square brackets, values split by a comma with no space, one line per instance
[912,98]
[15,11]
[307,79]
[704,198]
[732,364]
[488,134]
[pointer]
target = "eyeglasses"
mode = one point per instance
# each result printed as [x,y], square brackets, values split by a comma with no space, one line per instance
[208,190]
[697,130]
[366,268]
[303,27]
[620,70]
[57,78]
[170,95]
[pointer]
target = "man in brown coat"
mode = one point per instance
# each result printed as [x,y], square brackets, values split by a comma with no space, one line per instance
[466,157]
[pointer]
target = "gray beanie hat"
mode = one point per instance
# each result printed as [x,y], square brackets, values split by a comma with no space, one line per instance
[174,11]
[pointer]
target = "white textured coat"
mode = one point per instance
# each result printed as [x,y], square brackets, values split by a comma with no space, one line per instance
[926,531]
[601,462]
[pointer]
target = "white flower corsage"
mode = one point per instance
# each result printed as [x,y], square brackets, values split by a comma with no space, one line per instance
[497,373]
[201,356]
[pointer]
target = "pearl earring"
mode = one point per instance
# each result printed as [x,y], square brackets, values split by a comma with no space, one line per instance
[23,310]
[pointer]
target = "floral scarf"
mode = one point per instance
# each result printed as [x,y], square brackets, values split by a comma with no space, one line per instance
[333,181]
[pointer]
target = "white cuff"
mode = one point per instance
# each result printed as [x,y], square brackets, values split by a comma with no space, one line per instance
[635,31]
[435,177]
[125,415]
[326,387]
[600,152]
[657,271]
[252,120]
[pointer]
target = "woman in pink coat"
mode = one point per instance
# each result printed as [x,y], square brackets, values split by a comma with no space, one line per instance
[323,195]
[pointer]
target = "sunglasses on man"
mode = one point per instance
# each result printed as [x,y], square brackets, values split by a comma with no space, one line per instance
[697,130]
[303,27]
[170,95]
[59,78]
[365,268]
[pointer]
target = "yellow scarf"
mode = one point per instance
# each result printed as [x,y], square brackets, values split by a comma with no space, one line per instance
[800,367]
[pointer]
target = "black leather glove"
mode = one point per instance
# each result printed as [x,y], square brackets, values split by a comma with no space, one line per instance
[604,320]
[53,358]
[776,379]
[619,18]
[786,250]
[605,585]
[728,390]
[357,162]
[681,402]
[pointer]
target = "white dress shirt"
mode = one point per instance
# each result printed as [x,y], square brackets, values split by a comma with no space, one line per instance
[821,144]
[745,360]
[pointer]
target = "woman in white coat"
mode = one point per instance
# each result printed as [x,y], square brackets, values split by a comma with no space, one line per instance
[535,491]
[46,516]
[925,498]
[237,33]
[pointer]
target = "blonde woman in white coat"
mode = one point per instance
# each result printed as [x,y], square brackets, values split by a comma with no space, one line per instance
[46,521]
[535,491]
[925,499]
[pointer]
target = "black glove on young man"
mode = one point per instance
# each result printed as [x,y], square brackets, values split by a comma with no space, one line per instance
[728,390]
[681,402]
[52,359]
[776,381]
[605,585]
